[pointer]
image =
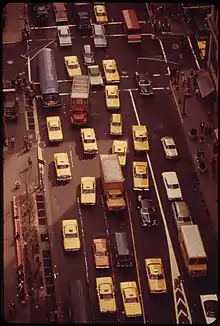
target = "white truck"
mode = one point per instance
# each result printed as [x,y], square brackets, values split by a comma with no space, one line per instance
[112,182]
[95,76]
[193,251]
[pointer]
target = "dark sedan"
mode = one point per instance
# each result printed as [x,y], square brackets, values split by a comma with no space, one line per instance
[147,211]
[144,84]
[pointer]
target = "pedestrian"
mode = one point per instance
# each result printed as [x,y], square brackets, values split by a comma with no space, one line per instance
[210,131]
[191,74]
[210,115]
[13,83]
[215,148]
[202,127]
[29,162]
[213,164]
[198,153]
[202,139]
[197,93]
[29,144]
[183,81]
[17,236]
[206,130]
[12,141]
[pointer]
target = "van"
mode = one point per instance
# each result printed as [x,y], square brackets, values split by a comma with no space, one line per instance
[78,302]
[99,36]
[88,55]
[123,256]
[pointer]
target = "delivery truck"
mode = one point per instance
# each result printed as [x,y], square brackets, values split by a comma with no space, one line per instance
[112,182]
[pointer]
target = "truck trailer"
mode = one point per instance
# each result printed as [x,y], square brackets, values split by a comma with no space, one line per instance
[112,182]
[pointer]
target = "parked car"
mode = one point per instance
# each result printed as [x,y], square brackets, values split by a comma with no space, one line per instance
[155,275]
[88,55]
[169,147]
[60,12]
[95,76]
[64,36]
[147,211]
[210,307]
[172,185]
[99,38]
[144,84]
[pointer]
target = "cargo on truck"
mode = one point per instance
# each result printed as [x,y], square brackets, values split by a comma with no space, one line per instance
[80,100]
[193,251]
[112,182]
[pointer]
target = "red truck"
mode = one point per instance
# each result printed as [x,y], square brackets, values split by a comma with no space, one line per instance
[80,100]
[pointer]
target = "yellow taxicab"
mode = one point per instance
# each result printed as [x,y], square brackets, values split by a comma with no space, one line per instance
[100,252]
[54,129]
[140,138]
[89,141]
[88,191]
[106,294]
[130,298]
[100,14]
[140,176]
[71,241]
[116,124]
[155,275]
[112,97]
[72,66]
[111,71]
[119,147]
[62,166]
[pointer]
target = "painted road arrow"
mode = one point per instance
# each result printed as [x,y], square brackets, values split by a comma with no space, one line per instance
[182,308]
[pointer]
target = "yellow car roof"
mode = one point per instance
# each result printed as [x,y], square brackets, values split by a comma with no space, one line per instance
[111,89]
[88,132]
[110,63]
[87,182]
[116,117]
[100,9]
[61,158]
[130,292]
[100,244]
[137,128]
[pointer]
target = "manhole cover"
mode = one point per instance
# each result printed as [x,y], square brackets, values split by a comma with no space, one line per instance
[10,62]
[42,144]
[175,46]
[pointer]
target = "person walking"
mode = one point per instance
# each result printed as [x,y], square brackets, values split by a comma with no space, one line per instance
[215,148]
[13,83]
[202,139]
[197,93]
[210,115]
[213,164]
[202,127]
[29,162]
[12,141]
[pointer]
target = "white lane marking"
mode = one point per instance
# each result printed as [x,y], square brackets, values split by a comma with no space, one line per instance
[176,102]
[8,90]
[49,27]
[134,107]
[59,81]
[193,52]
[150,58]
[164,55]
[156,75]
[71,156]
[31,58]
[45,39]
[136,258]
[85,253]
[173,262]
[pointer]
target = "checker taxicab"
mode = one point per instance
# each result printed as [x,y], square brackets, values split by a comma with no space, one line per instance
[88,191]
[100,252]
[100,14]
[130,298]
[112,97]
[89,141]
[72,66]
[155,275]
[119,147]
[106,294]
[111,71]
[62,166]
[54,129]
[116,124]
[140,176]
[71,240]
[140,138]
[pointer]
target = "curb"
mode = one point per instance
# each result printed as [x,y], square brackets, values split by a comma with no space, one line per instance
[10,42]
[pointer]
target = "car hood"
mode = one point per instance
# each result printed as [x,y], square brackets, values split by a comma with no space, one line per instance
[132,309]
[107,305]
[88,198]
[113,103]
[101,261]
[72,244]
[143,146]
[142,183]
[55,135]
[91,146]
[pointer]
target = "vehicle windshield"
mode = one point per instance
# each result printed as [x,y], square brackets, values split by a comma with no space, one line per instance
[115,196]
[140,176]
[111,96]
[88,191]
[101,253]
[94,73]
[89,141]
[156,276]
[73,65]
[110,70]
[116,124]
[146,210]
[54,128]
[141,139]
[185,219]
[174,186]
[171,146]
[131,300]
[143,83]
[106,296]
[63,166]
[64,33]
[70,235]
[119,153]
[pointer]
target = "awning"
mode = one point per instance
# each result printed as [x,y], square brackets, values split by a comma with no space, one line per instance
[205,84]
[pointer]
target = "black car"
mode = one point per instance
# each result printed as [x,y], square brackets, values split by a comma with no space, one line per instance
[144,84]
[41,11]
[147,211]
[83,19]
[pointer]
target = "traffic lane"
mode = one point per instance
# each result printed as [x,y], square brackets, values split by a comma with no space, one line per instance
[170,125]
[172,50]
[42,34]
[144,247]
[12,60]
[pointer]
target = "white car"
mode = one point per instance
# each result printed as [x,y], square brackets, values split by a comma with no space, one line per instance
[95,75]
[64,36]
[172,185]
[210,307]
[169,147]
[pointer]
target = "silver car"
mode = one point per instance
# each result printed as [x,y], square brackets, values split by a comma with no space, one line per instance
[95,75]
[64,36]
[181,213]
[88,55]
[99,36]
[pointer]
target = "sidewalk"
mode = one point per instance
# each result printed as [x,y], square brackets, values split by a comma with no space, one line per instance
[196,111]
[13,24]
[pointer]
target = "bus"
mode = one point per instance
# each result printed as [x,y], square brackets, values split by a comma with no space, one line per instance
[48,78]
[79,302]
[131,26]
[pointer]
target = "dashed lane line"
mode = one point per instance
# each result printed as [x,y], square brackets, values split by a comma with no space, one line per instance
[193,52]
[164,55]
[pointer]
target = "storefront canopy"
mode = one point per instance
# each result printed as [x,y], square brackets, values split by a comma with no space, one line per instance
[205,84]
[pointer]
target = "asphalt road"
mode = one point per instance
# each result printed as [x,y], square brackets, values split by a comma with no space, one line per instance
[160,115]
